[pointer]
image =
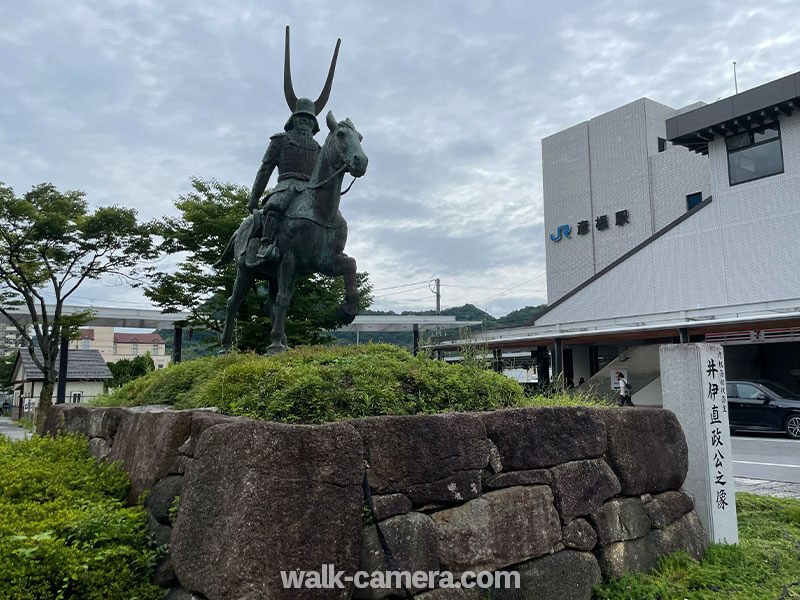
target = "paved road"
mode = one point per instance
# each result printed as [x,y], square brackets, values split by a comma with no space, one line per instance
[8,429]
[764,456]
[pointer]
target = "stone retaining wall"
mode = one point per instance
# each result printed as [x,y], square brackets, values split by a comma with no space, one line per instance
[563,495]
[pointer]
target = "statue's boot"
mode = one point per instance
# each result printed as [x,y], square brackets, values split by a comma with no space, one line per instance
[269,251]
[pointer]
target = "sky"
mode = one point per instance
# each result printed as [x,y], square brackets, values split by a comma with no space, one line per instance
[128,100]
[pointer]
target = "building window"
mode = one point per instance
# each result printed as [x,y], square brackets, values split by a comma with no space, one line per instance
[85,344]
[76,397]
[155,350]
[160,365]
[134,349]
[693,200]
[662,144]
[754,154]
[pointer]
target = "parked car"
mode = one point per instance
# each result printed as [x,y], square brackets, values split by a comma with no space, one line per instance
[761,405]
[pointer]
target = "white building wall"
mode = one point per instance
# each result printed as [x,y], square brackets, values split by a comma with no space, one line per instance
[87,390]
[618,145]
[742,248]
[761,235]
[567,193]
[605,165]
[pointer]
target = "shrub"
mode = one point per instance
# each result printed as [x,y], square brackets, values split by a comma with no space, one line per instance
[64,531]
[316,384]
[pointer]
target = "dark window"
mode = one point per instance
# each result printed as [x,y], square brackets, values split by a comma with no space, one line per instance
[754,154]
[748,391]
[662,144]
[693,200]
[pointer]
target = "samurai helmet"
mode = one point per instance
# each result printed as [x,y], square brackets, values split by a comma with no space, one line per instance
[306,106]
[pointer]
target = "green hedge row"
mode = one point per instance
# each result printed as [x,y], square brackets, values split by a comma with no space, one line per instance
[64,530]
[317,384]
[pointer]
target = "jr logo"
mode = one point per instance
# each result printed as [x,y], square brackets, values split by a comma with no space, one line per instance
[565,229]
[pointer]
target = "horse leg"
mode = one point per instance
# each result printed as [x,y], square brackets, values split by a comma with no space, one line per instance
[286,273]
[346,267]
[269,305]
[240,289]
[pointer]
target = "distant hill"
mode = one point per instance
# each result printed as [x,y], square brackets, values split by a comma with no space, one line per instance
[202,342]
[467,312]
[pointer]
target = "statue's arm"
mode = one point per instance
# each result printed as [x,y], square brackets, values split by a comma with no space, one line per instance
[268,164]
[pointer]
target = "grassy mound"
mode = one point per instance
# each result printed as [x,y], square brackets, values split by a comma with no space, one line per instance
[765,564]
[318,384]
[64,530]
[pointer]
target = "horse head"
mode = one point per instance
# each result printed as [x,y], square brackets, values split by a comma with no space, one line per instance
[343,146]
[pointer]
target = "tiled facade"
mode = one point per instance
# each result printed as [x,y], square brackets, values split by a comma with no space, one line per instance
[611,163]
[738,250]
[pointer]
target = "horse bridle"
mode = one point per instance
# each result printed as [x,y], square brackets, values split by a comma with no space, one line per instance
[325,181]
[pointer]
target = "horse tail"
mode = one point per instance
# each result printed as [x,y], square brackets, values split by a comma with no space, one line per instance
[227,254]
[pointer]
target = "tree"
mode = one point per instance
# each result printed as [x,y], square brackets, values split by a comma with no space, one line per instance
[128,369]
[210,214]
[51,243]
[6,368]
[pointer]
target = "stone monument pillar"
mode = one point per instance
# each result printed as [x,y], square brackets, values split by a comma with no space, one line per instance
[693,387]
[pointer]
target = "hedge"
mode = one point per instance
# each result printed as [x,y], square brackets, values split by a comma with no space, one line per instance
[64,530]
[317,384]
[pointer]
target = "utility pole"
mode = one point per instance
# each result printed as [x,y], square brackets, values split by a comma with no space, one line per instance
[735,82]
[438,297]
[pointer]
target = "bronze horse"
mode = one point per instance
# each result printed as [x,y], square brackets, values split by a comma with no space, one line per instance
[311,238]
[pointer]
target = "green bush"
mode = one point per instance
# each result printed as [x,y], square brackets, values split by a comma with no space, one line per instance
[64,530]
[317,384]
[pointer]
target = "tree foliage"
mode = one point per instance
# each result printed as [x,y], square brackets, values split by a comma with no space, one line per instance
[6,366]
[51,243]
[210,214]
[128,369]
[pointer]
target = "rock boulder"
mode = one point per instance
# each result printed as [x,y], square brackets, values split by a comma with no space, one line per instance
[646,449]
[498,529]
[429,458]
[581,486]
[532,438]
[260,498]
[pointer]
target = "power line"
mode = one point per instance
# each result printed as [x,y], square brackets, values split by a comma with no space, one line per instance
[394,287]
[403,291]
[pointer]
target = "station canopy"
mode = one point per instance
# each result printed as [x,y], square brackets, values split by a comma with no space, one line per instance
[109,316]
[405,323]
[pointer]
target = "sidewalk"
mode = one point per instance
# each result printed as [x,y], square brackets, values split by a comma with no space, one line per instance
[14,432]
[762,487]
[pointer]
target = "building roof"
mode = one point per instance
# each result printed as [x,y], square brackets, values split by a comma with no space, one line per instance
[85,334]
[111,316]
[138,338]
[751,109]
[405,323]
[81,364]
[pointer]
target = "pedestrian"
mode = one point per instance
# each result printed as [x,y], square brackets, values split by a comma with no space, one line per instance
[624,391]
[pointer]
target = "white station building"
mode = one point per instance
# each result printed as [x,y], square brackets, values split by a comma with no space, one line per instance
[665,225]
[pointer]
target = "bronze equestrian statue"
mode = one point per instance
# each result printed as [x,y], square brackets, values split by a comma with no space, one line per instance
[302,230]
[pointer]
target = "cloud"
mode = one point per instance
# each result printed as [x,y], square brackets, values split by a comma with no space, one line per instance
[129,99]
